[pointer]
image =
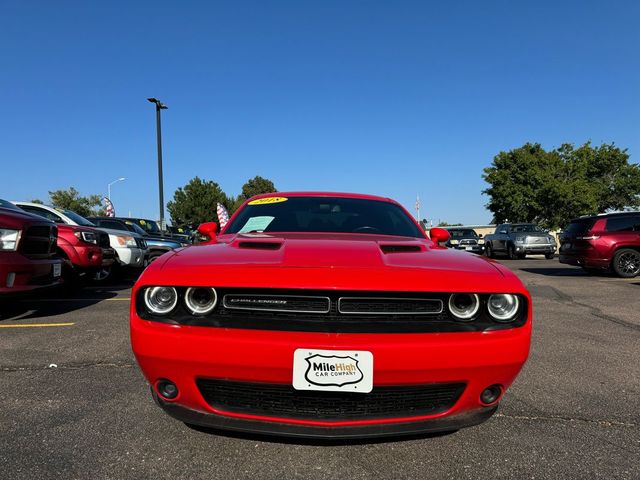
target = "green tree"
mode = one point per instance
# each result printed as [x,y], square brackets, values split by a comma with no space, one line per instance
[254,186]
[529,184]
[196,203]
[70,199]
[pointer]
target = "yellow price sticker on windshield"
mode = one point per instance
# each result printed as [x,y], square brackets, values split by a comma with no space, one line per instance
[268,200]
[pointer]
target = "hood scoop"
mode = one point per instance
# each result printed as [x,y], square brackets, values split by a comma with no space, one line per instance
[401,248]
[259,245]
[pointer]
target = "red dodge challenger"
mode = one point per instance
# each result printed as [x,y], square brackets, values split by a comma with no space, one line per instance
[329,315]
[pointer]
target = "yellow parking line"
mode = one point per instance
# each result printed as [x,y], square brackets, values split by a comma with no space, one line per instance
[26,325]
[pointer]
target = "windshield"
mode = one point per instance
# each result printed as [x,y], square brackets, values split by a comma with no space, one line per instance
[135,228]
[323,214]
[526,228]
[149,225]
[77,218]
[9,205]
[464,233]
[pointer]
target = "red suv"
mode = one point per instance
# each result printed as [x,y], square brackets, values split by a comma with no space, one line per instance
[610,241]
[28,257]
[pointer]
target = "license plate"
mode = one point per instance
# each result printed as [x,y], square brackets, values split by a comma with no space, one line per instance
[333,370]
[57,270]
[468,248]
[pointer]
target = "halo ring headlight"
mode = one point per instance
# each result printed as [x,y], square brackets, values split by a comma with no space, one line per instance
[464,306]
[200,300]
[160,300]
[503,307]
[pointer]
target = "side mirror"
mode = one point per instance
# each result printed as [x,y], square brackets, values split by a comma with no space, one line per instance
[480,236]
[439,235]
[209,231]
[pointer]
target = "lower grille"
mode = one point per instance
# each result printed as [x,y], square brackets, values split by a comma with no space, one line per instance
[284,401]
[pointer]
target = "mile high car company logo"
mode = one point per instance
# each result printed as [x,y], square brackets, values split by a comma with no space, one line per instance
[332,370]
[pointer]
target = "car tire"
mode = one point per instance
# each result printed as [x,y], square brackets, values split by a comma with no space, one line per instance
[103,274]
[549,256]
[511,252]
[626,263]
[488,251]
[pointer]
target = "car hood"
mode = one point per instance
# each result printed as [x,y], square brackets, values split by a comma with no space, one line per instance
[356,261]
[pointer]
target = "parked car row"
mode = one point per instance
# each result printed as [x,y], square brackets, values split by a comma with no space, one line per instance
[609,242]
[42,246]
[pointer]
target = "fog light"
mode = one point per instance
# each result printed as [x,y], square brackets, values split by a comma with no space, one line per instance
[491,394]
[167,389]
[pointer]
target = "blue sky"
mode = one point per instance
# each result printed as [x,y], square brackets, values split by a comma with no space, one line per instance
[391,98]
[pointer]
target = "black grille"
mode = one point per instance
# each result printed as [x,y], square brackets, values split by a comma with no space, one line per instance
[277,303]
[39,241]
[284,401]
[389,306]
[334,321]
[103,239]
[140,243]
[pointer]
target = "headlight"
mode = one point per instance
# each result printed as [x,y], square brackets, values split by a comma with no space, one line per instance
[464,306]
[89,237]
[200,300]
[455,242]
[126,241]
[9,239]
[481,241]
[519,239]
[160,300]
[503,307]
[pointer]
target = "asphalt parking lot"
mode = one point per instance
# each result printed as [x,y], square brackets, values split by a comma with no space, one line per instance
[73,404]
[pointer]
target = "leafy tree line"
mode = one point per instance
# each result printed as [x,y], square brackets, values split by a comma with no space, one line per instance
[70,199]
[196,202]
[530,184]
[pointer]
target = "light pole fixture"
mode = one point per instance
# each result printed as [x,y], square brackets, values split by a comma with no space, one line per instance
[121,179]
[159,106]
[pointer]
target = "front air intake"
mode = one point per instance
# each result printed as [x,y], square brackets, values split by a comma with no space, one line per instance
[400,248]
[260,245]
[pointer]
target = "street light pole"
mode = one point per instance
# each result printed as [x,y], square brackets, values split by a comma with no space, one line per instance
[159,106]
[121,179]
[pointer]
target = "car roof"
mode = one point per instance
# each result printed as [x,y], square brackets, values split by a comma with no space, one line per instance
[603,215]
[362,196]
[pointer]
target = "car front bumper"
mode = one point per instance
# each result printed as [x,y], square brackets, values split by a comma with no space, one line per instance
[21,274]
[185,354]
[131,257]
[479,249]
[536,249]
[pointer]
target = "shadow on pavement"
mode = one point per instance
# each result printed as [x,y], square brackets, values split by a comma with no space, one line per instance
[563,272]
[57,301]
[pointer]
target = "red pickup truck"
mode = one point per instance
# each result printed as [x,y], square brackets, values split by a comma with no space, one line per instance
[28,251]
